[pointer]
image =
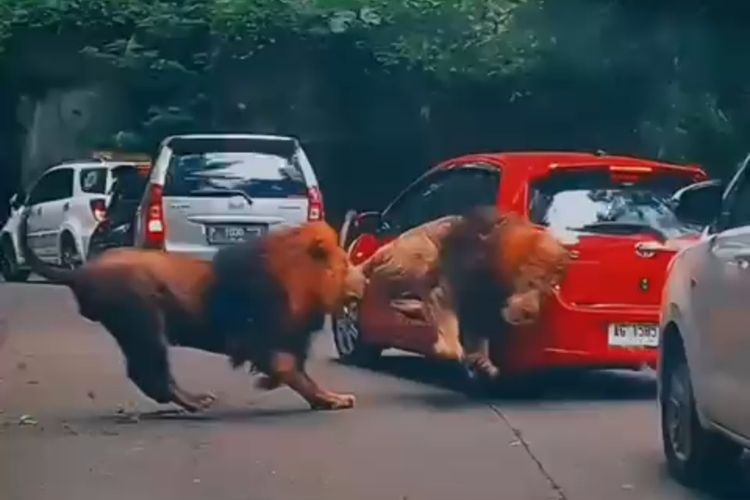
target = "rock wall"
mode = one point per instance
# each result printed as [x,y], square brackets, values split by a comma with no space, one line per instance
[64,124]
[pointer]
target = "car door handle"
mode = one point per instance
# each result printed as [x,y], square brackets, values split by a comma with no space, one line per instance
[39,211]
[66,207]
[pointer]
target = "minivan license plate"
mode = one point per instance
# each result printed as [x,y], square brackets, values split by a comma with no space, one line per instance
[227,235]
[634,335]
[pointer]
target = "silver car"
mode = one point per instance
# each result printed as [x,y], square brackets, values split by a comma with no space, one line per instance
[208,191]
[704,365]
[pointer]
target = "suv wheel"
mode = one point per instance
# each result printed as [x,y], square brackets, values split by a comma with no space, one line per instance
[9,267]
[346,336]
[695,456]
[69,257]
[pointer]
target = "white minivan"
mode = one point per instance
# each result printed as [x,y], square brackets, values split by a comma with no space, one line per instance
[213,190]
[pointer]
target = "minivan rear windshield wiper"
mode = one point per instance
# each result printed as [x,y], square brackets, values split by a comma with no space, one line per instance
[620,228]
[223,193]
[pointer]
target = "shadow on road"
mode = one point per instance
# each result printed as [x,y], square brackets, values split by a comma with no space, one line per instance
[30,281]
[735,486]
[116,424]
[557,385]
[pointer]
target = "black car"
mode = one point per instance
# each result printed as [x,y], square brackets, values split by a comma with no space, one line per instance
[116,230]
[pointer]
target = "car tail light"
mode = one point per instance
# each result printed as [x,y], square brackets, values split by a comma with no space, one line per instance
[154,220]
[98,209]
[315,210]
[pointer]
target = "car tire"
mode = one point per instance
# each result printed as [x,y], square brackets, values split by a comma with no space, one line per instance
[695,456]
[69,257]
[348,339]
[9,267]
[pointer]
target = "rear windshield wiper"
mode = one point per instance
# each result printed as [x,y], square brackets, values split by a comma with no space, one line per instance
[623,228]
[223,193]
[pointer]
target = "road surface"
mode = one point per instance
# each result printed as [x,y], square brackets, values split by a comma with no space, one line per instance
[411,436]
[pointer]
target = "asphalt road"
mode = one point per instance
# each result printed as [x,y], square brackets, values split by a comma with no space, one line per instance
[62,384]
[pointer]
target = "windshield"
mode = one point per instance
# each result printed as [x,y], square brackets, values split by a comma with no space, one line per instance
[602,205]
[257,175]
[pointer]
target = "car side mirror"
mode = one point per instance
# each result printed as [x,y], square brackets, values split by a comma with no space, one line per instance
[699,203]
[357,224]
[367,222]
[16,201]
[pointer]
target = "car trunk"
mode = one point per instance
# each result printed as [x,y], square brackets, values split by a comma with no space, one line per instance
[620,231]
[221,220]
[616,271]
[215,197]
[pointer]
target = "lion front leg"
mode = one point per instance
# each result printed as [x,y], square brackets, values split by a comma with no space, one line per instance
[286,369]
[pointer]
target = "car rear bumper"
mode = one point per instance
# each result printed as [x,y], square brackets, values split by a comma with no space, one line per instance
[576,337]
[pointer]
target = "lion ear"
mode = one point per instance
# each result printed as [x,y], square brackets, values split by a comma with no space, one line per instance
[317,249]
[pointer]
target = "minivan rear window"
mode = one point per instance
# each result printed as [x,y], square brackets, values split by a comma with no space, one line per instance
[596,202]
[266,173]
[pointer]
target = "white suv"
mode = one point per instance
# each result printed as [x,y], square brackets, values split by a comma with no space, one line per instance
[67,202]
[208,191]
[704,365]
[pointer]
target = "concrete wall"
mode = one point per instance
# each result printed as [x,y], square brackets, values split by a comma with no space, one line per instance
[63,124]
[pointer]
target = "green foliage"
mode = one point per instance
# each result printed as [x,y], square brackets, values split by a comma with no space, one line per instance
[674,76]
[474,37]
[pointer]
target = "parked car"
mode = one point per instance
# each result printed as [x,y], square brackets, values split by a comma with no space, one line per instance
[704,372]
[66,202]
[611,212]
[207,191]
[118,226]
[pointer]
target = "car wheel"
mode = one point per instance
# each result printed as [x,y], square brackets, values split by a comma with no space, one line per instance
[348,339]
[695,456]
[9,267]
[69,257]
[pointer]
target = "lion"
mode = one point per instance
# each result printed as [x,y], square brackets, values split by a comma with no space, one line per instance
[472,276]
[275,292]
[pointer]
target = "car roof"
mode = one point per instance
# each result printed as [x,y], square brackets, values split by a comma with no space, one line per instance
[268,137]
[537,163]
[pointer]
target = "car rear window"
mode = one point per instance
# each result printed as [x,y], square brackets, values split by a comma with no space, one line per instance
[93,180]
[255,168]
[592,200]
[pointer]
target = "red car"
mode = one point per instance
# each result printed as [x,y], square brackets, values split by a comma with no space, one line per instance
[613,213]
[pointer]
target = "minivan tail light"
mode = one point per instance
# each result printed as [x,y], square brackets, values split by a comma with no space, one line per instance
[98,209]
[315,209]
[154,221]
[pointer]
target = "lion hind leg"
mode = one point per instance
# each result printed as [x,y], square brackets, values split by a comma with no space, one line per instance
[140,335]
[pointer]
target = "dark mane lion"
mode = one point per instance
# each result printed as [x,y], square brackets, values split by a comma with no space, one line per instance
[258,302]
[500,269]
[472,276]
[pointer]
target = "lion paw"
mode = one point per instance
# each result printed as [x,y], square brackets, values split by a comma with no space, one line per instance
[335,401]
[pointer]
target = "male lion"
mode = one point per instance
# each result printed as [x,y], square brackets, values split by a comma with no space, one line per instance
[472,276]
[257,302]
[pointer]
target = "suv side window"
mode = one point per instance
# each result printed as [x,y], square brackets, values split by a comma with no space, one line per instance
[61,184]
[41,190]
[447,192]
[415,207]
[470,187]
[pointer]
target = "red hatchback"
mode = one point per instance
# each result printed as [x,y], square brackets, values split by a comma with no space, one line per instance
[614,215]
